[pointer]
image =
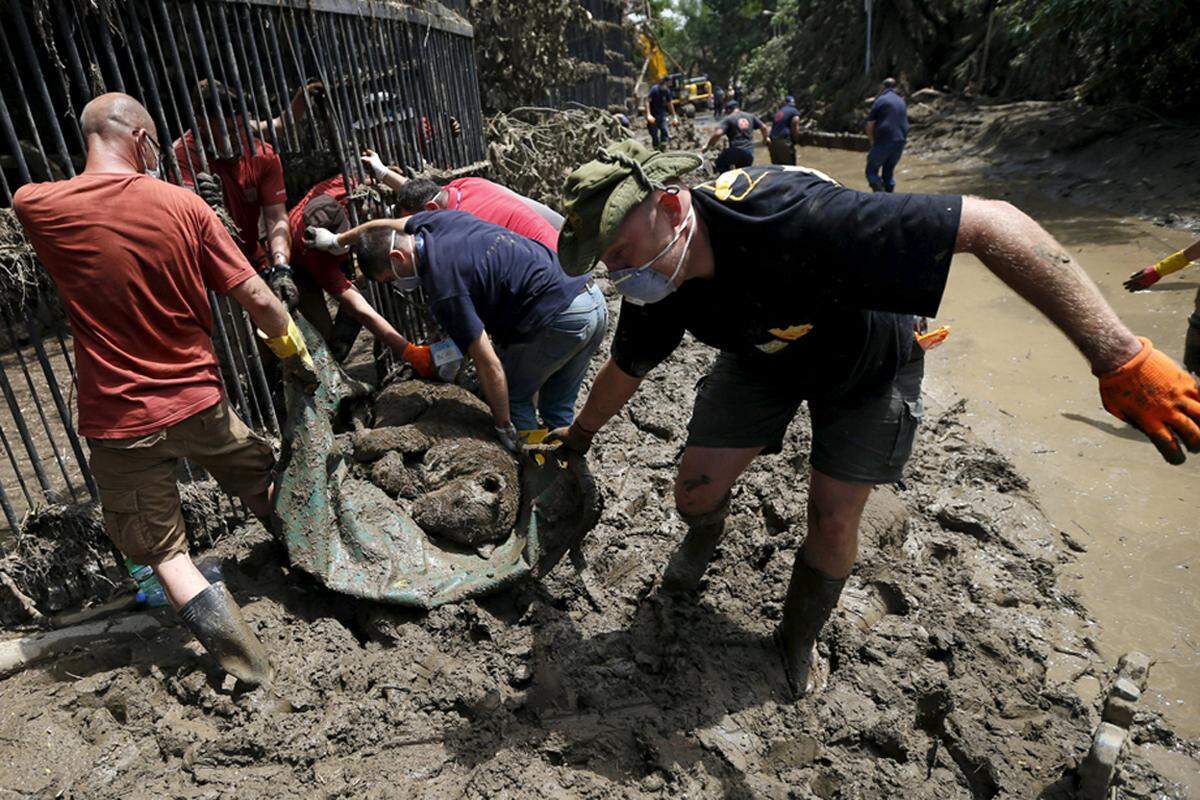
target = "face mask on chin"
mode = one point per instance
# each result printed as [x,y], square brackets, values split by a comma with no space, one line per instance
[644,284]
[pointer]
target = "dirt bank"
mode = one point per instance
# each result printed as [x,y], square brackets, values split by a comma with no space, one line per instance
[1120,156]
[592,685]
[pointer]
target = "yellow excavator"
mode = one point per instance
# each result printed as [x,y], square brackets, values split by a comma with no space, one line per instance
[691,94]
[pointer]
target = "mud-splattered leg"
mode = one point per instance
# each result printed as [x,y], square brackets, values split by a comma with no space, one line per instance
[819,573]
[706,475]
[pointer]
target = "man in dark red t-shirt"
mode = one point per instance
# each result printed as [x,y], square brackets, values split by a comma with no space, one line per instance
[250,174]
[323,206]
[133,259]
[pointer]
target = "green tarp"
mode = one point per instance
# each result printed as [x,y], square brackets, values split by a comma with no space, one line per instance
[355,539]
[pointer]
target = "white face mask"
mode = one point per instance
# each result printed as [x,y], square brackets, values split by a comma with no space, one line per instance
[644,284]
[405,283]
[157,171]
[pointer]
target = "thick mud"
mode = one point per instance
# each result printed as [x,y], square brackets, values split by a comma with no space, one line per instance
[591,684]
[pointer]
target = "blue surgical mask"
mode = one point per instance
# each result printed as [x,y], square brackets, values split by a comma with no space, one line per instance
[644,284]
[405,283]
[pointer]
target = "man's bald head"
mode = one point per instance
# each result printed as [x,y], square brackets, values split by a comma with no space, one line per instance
[113,115]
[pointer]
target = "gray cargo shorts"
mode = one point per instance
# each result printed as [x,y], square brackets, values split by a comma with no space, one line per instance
[867,440]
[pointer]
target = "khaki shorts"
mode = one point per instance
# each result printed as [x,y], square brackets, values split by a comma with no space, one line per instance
[136,477]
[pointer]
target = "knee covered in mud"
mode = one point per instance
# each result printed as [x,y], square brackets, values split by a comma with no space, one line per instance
[433,449]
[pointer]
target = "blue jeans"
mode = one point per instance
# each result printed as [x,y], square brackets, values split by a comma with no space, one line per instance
[660,131]
[551,366]
[883,157]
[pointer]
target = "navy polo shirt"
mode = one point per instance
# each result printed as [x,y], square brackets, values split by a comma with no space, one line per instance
[889,112]
[478,276]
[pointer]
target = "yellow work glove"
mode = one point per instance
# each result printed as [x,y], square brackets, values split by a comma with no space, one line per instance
[292,352]
[1151,275]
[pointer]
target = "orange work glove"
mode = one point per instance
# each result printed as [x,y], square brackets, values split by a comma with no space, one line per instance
[1155,395]
[421,358]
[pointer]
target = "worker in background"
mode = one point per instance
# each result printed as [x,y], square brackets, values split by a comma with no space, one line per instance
[1151,275]
[249,179]
[489,201]
[133,258]
[887,131]
[491,289]
[319,271]
[738,127]
[807,289]
[785,133]
[718,101]
[660,111]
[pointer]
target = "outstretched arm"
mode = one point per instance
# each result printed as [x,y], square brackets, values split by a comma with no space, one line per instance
[1144,279]
[1137,383]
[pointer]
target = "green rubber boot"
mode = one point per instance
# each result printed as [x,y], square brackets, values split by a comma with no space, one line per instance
[811,598]
[216,621]
[691,557]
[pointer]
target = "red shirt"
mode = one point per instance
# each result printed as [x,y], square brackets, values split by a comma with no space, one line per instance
[249,182]
[131,257]
[493,203]
[324,268]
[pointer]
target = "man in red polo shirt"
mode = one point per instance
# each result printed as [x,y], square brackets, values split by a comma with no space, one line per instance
[251,179]
[480,197]
[323,206]
[133,258]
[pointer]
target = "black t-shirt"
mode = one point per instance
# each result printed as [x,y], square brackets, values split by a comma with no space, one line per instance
[660,100]
[810,277]
[479,276]
[740,127]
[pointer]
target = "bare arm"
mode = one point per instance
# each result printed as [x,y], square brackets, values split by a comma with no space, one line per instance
[610,393]
[262,305]
[1027,258]
[871,131]
[491,378]
[351,236]
[279,239]
[1192,251]
[766,134]
[716,137]
[298,108]
[353,301]
[795,129]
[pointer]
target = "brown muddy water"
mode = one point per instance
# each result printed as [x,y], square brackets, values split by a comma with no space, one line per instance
[1032,397]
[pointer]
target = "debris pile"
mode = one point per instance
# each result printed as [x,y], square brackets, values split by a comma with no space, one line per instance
[21,275]
[61,556]
[532,150]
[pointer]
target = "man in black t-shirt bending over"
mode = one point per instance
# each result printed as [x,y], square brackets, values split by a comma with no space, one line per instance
[806,288]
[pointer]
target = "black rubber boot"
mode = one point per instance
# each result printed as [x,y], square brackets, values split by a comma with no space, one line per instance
[1191,345]
[691,557]
[342,338]
[811,598]
[214,618]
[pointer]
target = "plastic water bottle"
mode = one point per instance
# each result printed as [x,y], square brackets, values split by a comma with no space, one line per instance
[151,593]
[447,359]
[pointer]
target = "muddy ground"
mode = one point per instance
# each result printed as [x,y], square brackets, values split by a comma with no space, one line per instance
[590,684]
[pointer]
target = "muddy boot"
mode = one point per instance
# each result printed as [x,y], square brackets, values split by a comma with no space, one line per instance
[811,598]
[214,618]
[690,559]
[1191,345]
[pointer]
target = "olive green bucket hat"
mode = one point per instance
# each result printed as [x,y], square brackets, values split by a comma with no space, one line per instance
[601,192]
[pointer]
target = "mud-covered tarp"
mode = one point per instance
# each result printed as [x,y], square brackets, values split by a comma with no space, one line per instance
[356,540]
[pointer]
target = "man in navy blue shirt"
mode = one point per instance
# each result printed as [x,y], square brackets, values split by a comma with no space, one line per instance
[887,128]
[660,103]
[785,131]
[738,127]
[491,289]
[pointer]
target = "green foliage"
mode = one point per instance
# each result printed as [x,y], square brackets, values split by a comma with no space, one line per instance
[716,37]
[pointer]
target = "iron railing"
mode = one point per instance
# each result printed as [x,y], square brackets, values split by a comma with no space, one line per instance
[398,79]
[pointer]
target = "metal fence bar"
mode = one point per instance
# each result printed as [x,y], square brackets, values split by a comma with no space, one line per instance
[23,431]
[64,413]
[12,460]
[39,83]
[19,85]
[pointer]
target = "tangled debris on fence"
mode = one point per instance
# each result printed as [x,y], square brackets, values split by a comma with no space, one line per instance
[533,149]
[21,276]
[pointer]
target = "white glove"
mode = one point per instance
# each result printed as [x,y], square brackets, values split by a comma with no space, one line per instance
[508,436]
[375,164]
[324,239]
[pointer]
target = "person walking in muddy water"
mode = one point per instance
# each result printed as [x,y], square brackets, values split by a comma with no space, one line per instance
[738,128]
[887,130]
[133,258]
[807,289]
[1145,278]
[491,289]
[785,132]
[660,112]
